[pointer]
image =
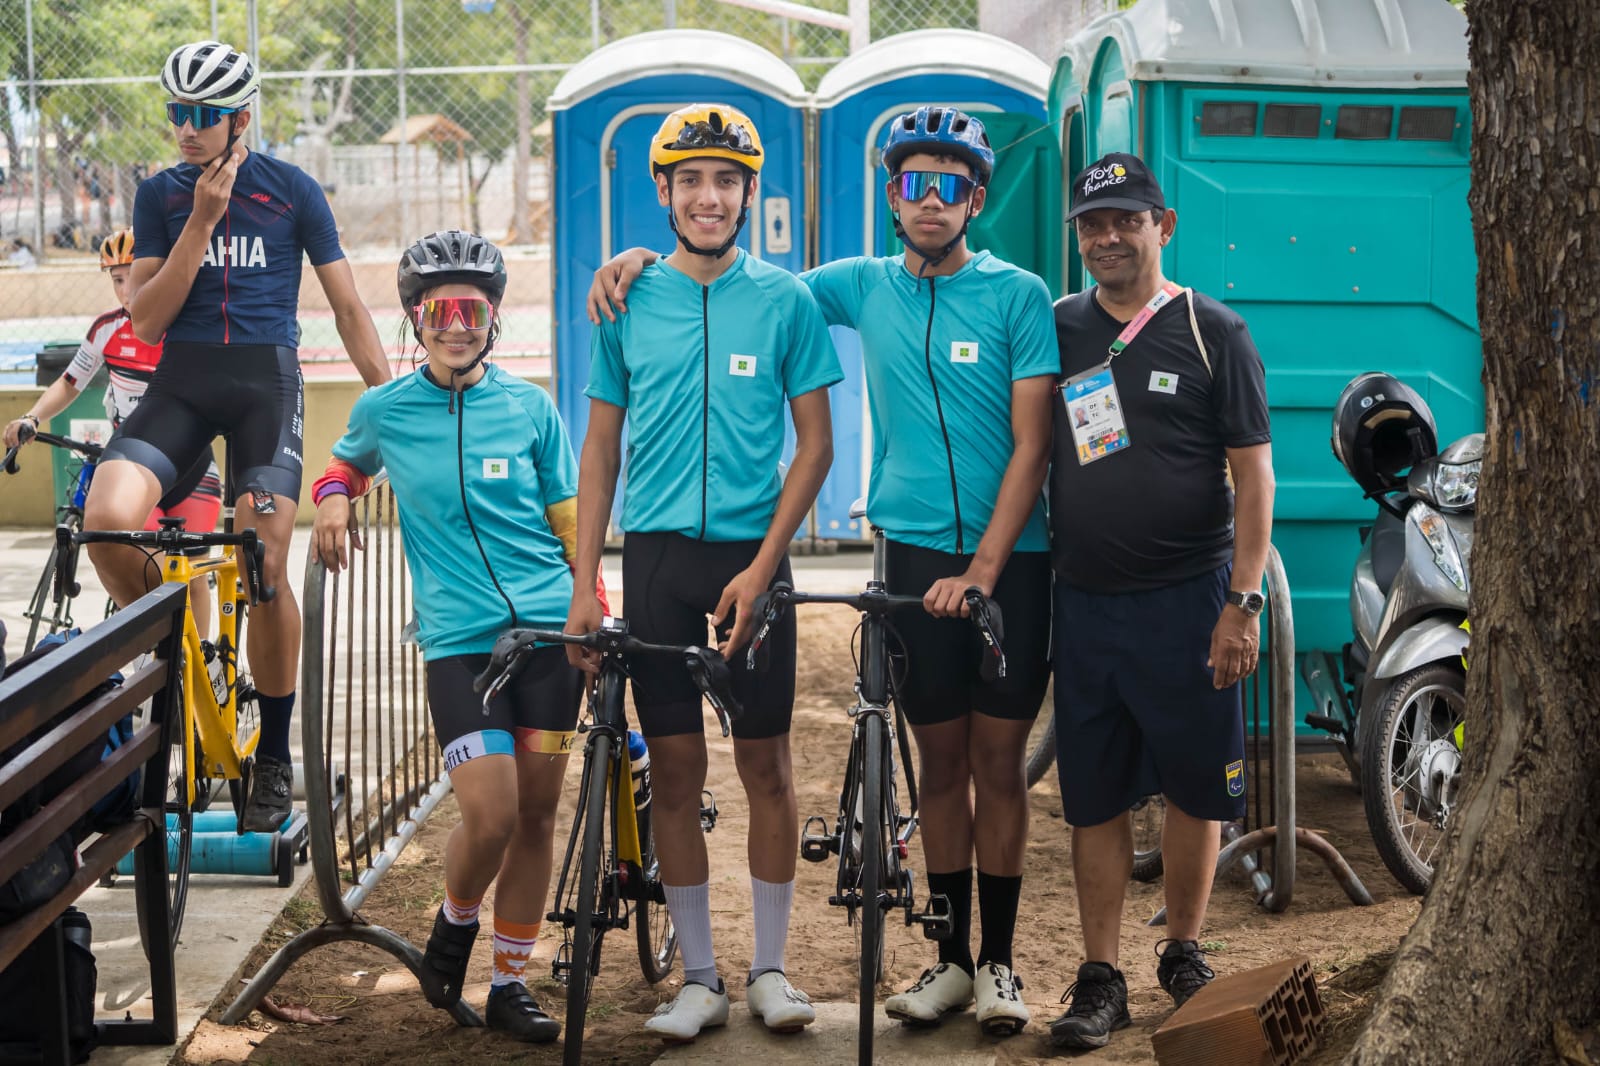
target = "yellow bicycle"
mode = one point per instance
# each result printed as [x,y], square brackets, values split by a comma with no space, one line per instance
[221,719]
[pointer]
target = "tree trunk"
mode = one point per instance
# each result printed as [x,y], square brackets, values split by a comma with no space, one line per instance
[1499,967]
[522,160]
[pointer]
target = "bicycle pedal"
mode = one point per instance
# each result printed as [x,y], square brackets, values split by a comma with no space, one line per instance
[935,918]
[817,844]
[708,810]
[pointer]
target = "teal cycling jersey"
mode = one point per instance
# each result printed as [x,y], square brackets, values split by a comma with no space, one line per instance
[484,474]
[940,356]
[703,371]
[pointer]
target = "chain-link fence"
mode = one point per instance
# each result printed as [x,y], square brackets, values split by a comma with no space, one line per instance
[413,114]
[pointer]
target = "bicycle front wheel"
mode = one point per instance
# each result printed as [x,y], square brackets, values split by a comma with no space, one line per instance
[41,606]
[874,866]
[180,841]
[658,940]
[589,918]
[1041,746]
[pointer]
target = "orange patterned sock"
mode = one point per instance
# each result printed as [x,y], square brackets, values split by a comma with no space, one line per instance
[513,943]
[460,911]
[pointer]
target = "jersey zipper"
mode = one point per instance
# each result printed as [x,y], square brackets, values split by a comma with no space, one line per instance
[227,261]
[466,510]
[705,403]
[949,456]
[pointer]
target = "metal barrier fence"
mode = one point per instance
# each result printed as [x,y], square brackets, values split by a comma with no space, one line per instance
[373,773]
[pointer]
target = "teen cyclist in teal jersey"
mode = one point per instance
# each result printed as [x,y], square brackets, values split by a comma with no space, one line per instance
[700,372]
[960,359]
[488,539]
[218,243]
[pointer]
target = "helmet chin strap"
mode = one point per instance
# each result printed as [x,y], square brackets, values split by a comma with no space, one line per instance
[738,227]
[488,345]
[931,260]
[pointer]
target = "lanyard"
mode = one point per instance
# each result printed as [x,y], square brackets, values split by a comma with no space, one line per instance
[1140,320]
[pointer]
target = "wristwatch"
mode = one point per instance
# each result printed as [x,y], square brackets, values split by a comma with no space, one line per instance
[1248,602]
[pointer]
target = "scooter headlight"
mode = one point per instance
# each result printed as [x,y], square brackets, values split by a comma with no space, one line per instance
[1445,554]
[1455,485]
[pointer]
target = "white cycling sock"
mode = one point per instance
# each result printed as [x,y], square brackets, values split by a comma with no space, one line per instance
[771,906]
[690,908]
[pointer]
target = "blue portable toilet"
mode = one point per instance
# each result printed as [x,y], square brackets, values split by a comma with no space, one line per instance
[1001,83]
[603,113]
[1316,152]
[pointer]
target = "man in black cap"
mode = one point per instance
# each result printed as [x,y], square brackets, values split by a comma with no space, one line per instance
[1158,563]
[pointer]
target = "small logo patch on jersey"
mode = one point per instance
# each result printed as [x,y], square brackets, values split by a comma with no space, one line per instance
[261,197]
[1235,774]
[1161,381]
[963,351]
[497,468]
[743,366]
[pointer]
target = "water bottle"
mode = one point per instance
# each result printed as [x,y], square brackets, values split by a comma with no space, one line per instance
[639,766]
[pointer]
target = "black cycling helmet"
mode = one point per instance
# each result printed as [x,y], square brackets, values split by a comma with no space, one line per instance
[1382,428]
[450,257]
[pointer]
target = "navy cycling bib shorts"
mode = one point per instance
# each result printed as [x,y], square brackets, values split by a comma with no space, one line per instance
[670,582]
[252,393]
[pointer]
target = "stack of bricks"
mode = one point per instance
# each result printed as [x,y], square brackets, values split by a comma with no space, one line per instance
[1263,1017]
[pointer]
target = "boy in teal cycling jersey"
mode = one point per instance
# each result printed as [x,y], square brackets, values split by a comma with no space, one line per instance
[700,372]
[960,357]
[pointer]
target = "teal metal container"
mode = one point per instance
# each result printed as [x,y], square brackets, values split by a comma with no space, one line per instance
[1316,152]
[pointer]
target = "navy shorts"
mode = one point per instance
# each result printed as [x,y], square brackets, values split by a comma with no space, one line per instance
[1135,711]
[670,582]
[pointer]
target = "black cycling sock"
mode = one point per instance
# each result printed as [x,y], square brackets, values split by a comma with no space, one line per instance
[957,888]
[997,909]
[276,714]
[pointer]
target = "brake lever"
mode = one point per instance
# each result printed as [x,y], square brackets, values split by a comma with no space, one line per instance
[712,676]
[507,649]
[66,583]
[986,615]
[769,605]
[9,464]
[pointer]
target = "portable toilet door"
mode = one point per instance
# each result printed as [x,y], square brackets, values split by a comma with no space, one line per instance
[1065,106]
[1316,152]
[1001,83]
[604,112]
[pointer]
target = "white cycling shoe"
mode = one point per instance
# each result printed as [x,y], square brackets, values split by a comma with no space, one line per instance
[941,990]
[1001,1011]
[780,1006]
[694,1008]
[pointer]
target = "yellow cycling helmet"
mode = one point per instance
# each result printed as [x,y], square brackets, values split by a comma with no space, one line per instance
[701,131]
[117,249]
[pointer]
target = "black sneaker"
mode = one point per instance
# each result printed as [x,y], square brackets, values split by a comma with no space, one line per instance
[1182,970]
[513,1011]
[444,962]
[271,795]
[1099,1008]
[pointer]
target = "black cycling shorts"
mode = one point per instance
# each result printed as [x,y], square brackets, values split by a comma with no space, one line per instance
[536,712]
[670,582]
[940,679]
[250,393]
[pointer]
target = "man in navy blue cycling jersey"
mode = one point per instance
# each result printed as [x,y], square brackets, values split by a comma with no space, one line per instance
[218,242]
[960,356]
[700,372]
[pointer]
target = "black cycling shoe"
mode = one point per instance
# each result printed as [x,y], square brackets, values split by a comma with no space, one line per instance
[513,1011]
[444,962]
[1182,970]
[271,799]
[1099,1008]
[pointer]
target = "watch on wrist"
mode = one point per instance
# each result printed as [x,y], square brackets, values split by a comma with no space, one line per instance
[1248,602]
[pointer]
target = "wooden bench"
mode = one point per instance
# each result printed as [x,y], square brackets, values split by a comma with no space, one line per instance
[35,697]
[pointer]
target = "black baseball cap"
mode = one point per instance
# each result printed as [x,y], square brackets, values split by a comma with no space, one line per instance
[1119,181]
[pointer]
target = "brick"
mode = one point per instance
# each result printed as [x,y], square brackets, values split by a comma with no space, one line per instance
[1268,1016]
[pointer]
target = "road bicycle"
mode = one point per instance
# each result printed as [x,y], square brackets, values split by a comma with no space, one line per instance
[610,873]
[221,718]
[50,607]
[871,833]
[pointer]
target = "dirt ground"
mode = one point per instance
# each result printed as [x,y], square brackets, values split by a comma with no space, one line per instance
[386,1020]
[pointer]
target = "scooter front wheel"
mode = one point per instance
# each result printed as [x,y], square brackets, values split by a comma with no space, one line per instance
[1411,769]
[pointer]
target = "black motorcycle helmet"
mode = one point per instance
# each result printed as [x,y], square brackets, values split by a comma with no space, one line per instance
[1381,429]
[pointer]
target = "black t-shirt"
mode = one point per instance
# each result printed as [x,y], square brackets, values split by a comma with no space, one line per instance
[1158,511]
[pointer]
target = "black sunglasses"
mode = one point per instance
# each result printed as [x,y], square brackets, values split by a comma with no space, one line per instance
[730,136]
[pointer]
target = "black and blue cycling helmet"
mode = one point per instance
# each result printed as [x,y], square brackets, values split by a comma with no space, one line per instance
[939,131]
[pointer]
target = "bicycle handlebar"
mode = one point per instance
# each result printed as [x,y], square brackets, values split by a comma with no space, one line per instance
[705,665]
[89,451]
[982,612]
[171,537]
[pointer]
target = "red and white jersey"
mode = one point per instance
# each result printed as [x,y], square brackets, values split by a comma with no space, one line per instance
[131,362]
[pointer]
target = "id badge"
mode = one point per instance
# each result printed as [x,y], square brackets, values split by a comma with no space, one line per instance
[1094,411]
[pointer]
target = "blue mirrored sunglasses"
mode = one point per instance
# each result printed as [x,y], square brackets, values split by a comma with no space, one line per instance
[200,116]
[950,188]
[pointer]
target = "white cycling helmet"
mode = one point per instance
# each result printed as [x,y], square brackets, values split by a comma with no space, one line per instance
[210,72]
